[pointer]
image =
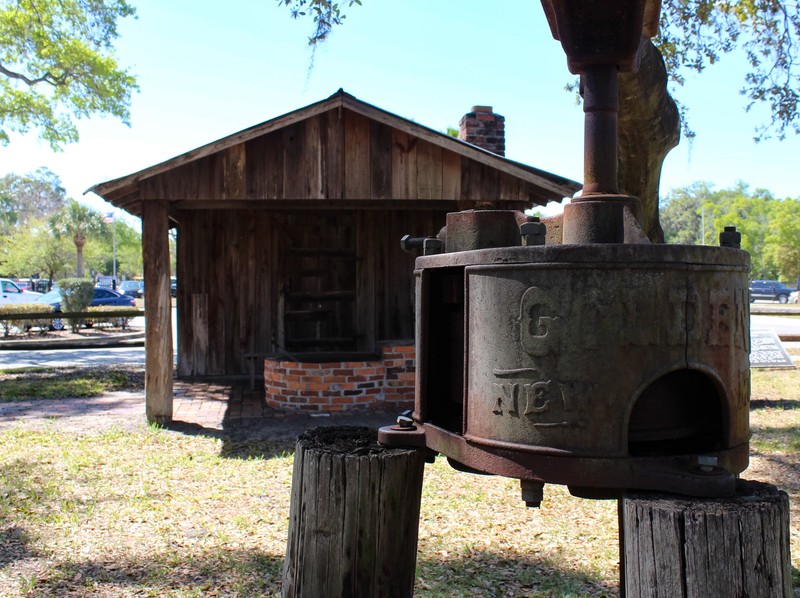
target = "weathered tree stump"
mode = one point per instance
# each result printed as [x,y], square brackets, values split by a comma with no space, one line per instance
[354,516]
[706,548]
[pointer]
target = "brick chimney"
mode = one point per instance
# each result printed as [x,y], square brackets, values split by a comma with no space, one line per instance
[484,128]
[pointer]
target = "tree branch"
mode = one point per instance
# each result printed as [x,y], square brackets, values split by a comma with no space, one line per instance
[48,77]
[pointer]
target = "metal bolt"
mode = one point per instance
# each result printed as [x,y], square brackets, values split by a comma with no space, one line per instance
[730,237]
[532,232]
[707,463]
[408,243]
[432,246]
[404,420]
[532,493]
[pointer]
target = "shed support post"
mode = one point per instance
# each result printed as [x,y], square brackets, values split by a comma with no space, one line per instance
[158,312]
[710,547]
[354,516]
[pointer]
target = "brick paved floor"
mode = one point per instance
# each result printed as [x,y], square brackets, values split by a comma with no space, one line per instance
[216,408]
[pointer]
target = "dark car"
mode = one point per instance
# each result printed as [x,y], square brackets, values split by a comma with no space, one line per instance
[771,290]
[102,296]
[134,288]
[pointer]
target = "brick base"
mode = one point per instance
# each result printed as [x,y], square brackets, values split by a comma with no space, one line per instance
[342,385]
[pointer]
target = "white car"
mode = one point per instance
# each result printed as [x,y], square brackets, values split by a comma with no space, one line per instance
[11,293]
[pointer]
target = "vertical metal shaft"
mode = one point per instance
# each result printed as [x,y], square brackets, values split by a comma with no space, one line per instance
[600,106]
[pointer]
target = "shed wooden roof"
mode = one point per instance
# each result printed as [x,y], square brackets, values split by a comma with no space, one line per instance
[338,149]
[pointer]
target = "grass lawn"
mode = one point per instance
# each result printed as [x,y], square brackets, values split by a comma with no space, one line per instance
[157,513]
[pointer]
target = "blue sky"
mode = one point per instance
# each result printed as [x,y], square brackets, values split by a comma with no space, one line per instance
[216,68]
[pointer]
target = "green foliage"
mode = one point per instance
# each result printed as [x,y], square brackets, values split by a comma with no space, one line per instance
[770,227]
[324,13]
[34,250]
[57,65]
[98,315]
[10,309]
[782,243]
[696,33]
[77,222]
[31,196]
[76,295]
[692,35]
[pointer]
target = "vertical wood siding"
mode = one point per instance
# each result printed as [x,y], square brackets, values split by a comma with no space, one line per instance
[232,275]
[338,155]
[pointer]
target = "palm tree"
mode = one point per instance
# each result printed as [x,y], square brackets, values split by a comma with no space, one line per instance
[77,222]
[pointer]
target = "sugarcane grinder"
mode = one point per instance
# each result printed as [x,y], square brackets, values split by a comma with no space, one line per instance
[603,363]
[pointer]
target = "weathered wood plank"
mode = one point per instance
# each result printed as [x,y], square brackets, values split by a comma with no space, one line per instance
[357,156]
[707,548]
[199,324]
[158,324]
[294,185]
[265,167]
[404,165]
[380,158]
[429,171]
[366,281]
[451,176]
[309,170]
[333,144]
[234,173]
[353,517]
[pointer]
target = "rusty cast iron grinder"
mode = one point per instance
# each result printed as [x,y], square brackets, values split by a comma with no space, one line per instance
[604,363]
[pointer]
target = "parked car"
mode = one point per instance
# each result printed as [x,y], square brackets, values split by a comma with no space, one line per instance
[12,293]
[771,290]
[173,286]
[134,288]
[102,296]
[794,297]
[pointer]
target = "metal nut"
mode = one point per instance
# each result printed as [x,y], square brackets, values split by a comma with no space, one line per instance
[707,463]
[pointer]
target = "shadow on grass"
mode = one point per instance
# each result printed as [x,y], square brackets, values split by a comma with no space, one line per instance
[13,545]
[489,574]
[236,445]
[254,573]
[218,573]
[785,404]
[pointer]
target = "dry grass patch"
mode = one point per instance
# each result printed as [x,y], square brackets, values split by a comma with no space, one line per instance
[27,384]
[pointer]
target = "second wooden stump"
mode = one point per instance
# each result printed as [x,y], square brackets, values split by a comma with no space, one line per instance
[707,548]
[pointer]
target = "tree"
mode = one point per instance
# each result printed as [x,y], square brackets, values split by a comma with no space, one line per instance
[693,34]
[33,250]
[782,243]
[77,222]
[31,196]
[770,227]
[57,65]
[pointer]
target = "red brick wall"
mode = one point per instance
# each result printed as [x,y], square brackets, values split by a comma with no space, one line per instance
[339,386]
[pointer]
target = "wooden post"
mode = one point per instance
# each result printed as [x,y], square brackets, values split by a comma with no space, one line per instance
[354,516]
[706,548]
[158,309]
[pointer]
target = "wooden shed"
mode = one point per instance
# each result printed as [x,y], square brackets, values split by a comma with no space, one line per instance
[288,234]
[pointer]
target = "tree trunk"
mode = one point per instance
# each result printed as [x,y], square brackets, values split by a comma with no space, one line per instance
[354,516]
[706,548]
[79,258]
[648,128]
